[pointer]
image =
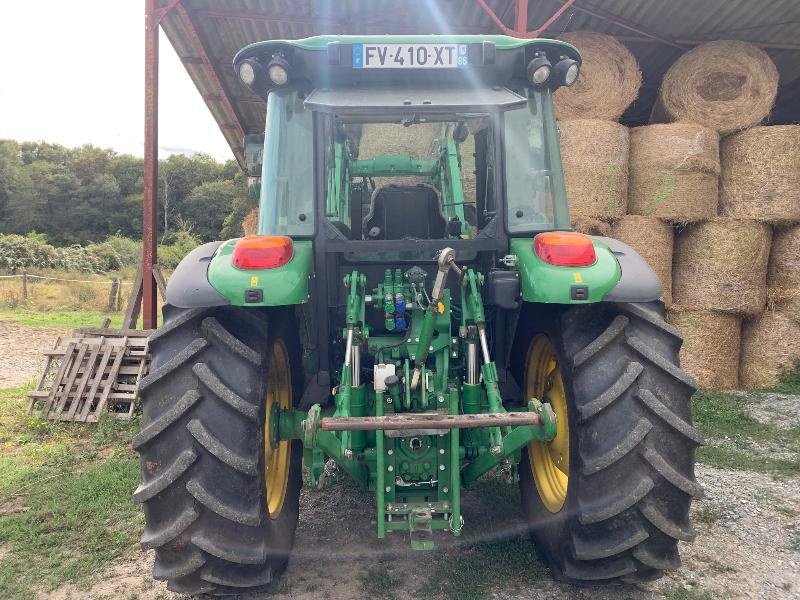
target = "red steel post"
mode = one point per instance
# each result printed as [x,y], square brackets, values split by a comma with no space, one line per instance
[150,205]
[521,18]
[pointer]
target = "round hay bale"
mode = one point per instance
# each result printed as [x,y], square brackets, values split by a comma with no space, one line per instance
[711,345]
[674,170]
[653,239]
[784,259]
[590,226]
[595,158]
[250,223]
[608,83]
[722,265]
[761,174]
[726,85]
[769,342]
[786,301]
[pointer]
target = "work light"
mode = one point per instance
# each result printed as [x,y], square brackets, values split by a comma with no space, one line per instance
[278,70]
[248,71]
[539,70]
[567,71]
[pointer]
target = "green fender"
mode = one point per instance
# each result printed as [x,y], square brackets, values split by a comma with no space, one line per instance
[546,283]
[282,286]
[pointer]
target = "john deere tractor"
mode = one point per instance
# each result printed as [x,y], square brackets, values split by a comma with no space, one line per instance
[416,311]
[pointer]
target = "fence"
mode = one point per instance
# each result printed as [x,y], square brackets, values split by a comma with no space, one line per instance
[114,300]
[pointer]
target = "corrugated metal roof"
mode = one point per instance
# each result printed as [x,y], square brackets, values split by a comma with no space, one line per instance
[207,33]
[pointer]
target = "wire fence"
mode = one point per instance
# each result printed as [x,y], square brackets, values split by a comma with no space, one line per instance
[115,299]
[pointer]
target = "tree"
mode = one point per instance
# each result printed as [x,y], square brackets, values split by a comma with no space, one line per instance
[207,206]
[21,207]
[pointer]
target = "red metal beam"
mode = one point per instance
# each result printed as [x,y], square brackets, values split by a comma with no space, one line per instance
[200,50]
[149,204]
[521,18]
[488,10]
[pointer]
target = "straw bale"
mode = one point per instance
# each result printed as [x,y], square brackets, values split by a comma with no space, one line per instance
[609,80]
[674,170]
[250,223]
[595,158]
[761,174]
[391,138]
[722,265]
[784,259]
[726,85]
[711,345]
[653,240]
[786,301]
[590,226]
[769,342]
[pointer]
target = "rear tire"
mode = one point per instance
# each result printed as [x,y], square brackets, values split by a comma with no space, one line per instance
[203,481]
[631,444]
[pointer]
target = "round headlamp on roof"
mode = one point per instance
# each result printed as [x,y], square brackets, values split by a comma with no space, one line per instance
[539,70]
[567,71]
[249,71]
[278,70]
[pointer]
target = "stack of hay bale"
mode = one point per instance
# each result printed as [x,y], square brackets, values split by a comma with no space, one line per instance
[709,193]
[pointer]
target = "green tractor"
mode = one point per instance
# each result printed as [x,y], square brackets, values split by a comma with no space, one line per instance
[417,310]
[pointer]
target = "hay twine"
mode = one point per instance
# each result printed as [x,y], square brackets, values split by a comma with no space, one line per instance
[674,170]
[722,265]
[711,345]
[769,342]
[726,85]
[595,159]
[609,80]
[653,240]
[761,174]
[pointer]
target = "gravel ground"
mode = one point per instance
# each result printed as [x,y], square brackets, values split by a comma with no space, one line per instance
[21,351]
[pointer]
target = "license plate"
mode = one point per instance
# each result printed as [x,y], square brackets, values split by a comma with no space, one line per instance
[409,56]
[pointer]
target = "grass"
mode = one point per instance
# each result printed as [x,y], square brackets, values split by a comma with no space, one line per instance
[686,593]
[789,380]
[66,319]
[720,417]
[65,509]
[380,584]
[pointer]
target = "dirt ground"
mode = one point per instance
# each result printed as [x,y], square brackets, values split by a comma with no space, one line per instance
[21,351]
[748,533]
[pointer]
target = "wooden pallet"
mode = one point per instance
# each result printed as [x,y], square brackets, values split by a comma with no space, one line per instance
[94,372]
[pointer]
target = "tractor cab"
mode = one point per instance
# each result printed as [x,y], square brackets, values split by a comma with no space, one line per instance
[410,138]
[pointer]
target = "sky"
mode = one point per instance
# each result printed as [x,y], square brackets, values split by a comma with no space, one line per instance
[72,72]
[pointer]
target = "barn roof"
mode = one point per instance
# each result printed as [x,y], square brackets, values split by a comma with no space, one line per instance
[206,34]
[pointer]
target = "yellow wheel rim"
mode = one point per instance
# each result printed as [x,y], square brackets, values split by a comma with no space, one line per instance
[549,461]
[277,456]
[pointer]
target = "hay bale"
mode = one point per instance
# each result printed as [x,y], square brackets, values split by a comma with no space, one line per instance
[784,259]
[674,170]
[722,265]
[785,301]
[769,342]
[653,239]
[250,223]
[761,174]
[711,345]
[595,159]
[590,226]
[726,85]
[608,83]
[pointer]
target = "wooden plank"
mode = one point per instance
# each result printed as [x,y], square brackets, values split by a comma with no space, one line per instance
[134,301]
[115,396]
[160,281]
[138,333]
[110,382]
[98,376]
[65,361]
[39,384]
[84,380]
[73,374]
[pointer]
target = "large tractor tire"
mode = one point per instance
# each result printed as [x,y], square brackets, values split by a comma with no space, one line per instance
[608,499]
[220,500]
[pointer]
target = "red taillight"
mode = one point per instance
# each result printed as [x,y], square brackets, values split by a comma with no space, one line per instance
[565,249]
[262,252]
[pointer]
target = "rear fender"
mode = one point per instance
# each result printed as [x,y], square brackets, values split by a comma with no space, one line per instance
[619,274]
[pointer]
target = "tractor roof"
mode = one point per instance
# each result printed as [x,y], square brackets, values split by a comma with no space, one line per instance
[334,60]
